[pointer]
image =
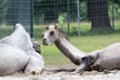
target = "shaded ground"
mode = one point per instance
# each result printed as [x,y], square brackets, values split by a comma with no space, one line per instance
[93,75]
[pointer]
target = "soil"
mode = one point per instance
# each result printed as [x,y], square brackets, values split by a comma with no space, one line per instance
[92,75]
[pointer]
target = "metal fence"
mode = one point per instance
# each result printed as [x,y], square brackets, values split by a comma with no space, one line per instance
[73,16]
[15,11]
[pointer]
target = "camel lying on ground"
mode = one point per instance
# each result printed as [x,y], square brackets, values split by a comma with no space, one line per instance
[100,60]
[17,54]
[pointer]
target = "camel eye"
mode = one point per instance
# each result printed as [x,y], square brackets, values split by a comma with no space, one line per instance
[52,32]
[47,28]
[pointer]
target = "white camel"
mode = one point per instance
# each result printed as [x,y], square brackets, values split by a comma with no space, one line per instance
[100,60]
[17,54]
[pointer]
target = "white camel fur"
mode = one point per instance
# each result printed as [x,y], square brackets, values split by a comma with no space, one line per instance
[17,54]
[100,60]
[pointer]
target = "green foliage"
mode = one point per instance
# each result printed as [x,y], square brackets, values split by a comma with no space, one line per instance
[83,11]
[5,30]
[74,31]
[3,4]
[116,6]
[84,27]
[62,19]
[52,9]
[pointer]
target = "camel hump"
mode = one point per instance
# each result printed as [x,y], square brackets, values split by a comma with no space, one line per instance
[19,26]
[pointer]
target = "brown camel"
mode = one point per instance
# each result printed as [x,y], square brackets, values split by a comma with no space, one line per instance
[100,60]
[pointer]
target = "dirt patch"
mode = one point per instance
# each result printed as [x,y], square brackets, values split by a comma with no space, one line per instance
[92,75]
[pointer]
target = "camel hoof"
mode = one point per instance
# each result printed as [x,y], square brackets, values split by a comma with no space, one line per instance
[36,72]
[33,72]
[75,72]
[78,71]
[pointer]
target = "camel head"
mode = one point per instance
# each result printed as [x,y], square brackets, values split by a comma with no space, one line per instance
[50,34]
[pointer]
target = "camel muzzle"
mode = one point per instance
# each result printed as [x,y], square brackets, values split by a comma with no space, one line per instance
[45,42]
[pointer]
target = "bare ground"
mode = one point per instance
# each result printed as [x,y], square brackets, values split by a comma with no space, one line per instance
[92,75]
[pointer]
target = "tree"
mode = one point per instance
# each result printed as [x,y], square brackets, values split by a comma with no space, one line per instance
[49,10]
[98,14]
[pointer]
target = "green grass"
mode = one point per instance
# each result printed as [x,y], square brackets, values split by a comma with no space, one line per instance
[5,30]
[87,42]
[54,58]
[84,26]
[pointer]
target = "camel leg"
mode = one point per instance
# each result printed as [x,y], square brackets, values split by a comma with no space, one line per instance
[35,65]
[85,61]
[84,65]
[61,69]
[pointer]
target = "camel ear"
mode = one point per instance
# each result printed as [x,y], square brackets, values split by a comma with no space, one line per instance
[56,26]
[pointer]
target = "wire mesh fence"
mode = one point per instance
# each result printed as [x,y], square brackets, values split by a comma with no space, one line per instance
[15,11]
[73,16]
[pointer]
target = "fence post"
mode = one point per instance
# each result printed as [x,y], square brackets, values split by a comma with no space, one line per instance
[31,16]
[113,14]
[14,22]
[68,17]
[78,12]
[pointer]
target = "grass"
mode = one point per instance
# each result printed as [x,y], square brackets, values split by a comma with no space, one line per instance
[84,26]
[53,57]
[86,42]
[5,30]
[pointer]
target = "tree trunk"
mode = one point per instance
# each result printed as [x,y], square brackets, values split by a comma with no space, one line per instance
[98,14]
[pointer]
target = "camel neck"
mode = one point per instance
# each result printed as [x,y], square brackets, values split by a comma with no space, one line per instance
[69,50]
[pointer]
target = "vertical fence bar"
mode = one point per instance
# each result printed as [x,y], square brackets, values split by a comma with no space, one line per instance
[14,22]
[31,16]
[68,17]
[113,14]
[78,12]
